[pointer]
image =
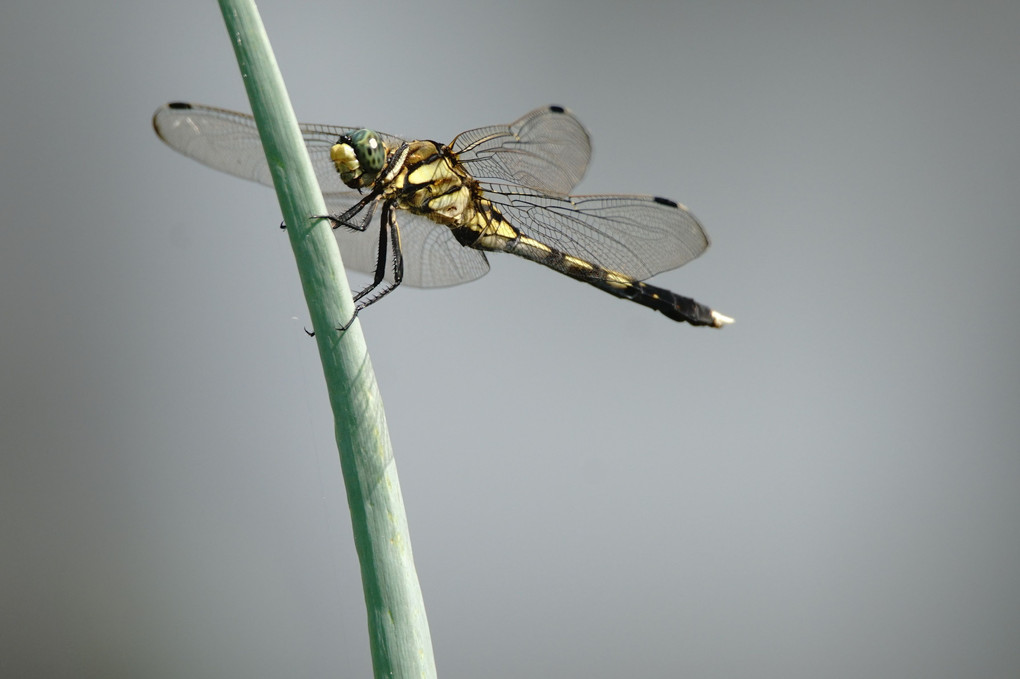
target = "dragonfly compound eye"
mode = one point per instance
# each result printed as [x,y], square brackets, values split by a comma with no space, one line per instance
[359,157]
[370,151]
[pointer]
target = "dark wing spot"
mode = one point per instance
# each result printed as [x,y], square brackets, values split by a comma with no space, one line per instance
[665,201]
[557,109]
[180,105]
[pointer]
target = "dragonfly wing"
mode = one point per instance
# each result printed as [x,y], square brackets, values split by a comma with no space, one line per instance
[229,141]
[547,151]
[639,236]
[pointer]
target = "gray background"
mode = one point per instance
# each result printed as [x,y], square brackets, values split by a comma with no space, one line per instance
[827,488]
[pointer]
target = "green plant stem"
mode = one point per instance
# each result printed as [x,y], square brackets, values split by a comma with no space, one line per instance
[397,625]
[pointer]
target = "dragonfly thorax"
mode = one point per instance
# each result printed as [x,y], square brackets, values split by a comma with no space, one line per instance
[359,157]
[431,182]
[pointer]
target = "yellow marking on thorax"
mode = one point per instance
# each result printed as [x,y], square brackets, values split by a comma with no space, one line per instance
[433,188]
[438,170]
[451,204]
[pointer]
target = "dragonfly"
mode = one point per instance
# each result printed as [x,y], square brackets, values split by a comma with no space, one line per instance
[422,213]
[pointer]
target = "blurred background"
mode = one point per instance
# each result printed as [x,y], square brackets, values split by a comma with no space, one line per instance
[827,488]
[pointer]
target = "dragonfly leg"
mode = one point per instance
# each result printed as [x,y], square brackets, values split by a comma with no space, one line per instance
[380,261]
[345,219]
[388,231]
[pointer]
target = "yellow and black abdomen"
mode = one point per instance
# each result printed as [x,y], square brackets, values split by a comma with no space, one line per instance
[490,231]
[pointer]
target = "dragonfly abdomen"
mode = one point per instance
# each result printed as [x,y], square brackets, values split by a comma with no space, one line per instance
[669,303]
[500,235]
[620,285]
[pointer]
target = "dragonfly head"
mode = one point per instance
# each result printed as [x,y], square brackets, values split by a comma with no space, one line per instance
[359,158]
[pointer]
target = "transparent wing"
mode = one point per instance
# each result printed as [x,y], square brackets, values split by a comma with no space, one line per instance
[229,142]
[546,151]
[639,236]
